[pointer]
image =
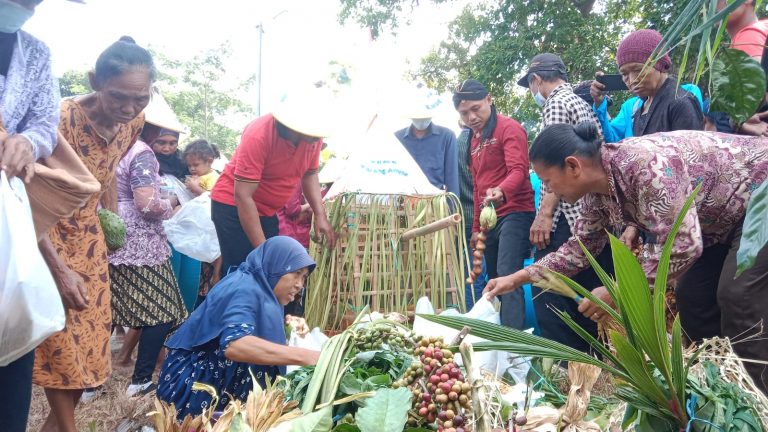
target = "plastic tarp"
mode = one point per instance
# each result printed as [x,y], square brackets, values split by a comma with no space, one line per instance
[381,165]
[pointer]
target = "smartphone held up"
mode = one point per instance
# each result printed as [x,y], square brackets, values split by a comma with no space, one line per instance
[612,82]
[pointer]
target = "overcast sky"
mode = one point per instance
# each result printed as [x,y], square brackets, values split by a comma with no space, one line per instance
[300,38]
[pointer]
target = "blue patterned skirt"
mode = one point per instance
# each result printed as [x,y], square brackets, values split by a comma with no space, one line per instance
[208,365]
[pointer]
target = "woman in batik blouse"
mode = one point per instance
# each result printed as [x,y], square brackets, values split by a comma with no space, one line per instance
[145,293]
[644,182]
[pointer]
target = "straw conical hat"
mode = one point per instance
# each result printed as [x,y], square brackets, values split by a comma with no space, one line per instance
[159,113]
[307,111]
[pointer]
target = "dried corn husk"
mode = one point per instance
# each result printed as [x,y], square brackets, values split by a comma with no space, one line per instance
[263,409]
[542,419]
[583,378]
[570,417]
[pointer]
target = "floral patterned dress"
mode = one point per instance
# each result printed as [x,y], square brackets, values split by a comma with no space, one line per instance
[650,179]
[207,364]
[79,356]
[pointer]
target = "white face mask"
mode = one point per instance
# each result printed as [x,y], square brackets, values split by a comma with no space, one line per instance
[13,16]
[421,124]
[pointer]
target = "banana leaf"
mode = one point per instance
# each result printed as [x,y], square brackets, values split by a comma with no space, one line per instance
[754,234]
[738,84]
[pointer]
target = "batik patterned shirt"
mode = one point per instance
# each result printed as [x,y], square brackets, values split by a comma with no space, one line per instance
[563,106]
[650,179]
[142,208]
[29,95]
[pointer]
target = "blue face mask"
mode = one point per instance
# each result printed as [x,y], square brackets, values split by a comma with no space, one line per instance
[13,16]
[539,99]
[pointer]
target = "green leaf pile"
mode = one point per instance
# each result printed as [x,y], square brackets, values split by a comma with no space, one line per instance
[385,412]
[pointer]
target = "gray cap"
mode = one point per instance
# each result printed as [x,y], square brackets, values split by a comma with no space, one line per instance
[546,62]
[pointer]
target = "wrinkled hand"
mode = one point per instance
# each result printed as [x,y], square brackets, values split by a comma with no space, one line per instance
[597,90]
[505,284]
[16,157]
[72,289]
[541,229]
[323,229]
[755,125]
[630,237]
[592,310]
[493,196]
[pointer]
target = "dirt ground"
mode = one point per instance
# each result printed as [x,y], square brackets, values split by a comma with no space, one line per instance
[111,411]
[114,411]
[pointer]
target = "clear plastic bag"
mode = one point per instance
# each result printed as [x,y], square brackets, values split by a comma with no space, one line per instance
[191,230]
[170,185]
[30,305]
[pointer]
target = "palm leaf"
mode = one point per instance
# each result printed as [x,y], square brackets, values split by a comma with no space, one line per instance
[593,342]
[642,403]
[608,282]
[547,352]
[518,342]
[587,294]
[637,368]
[679,373]
[636,301]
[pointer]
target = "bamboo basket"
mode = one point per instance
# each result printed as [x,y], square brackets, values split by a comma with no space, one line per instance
[372,265]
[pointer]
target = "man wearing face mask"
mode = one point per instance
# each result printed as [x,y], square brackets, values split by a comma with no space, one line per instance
[546,78]
[433,147]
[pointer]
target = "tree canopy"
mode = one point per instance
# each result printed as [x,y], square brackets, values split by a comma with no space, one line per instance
[207,107]
[493,41]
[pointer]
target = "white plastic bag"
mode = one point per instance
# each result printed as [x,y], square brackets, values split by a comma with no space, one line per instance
[30,306]
[313,340]
[191,230]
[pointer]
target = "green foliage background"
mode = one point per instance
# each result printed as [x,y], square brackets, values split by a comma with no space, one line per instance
[193,90]
[492,41]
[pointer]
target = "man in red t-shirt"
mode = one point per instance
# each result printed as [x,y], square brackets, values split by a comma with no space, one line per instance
[498,162]
[747,33]
[276,152]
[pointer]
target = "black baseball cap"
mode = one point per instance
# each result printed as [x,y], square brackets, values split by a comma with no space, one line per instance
[546,62]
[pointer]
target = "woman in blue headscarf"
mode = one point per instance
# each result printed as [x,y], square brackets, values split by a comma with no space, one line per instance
[238,327]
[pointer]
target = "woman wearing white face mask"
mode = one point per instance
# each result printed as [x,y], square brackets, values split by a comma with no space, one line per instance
[29,111]
[29,96]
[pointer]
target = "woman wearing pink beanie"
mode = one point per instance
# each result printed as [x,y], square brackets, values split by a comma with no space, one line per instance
[664,106]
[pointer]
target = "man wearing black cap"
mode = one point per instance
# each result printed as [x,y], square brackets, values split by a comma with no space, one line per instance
[498,161]
[546,78]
